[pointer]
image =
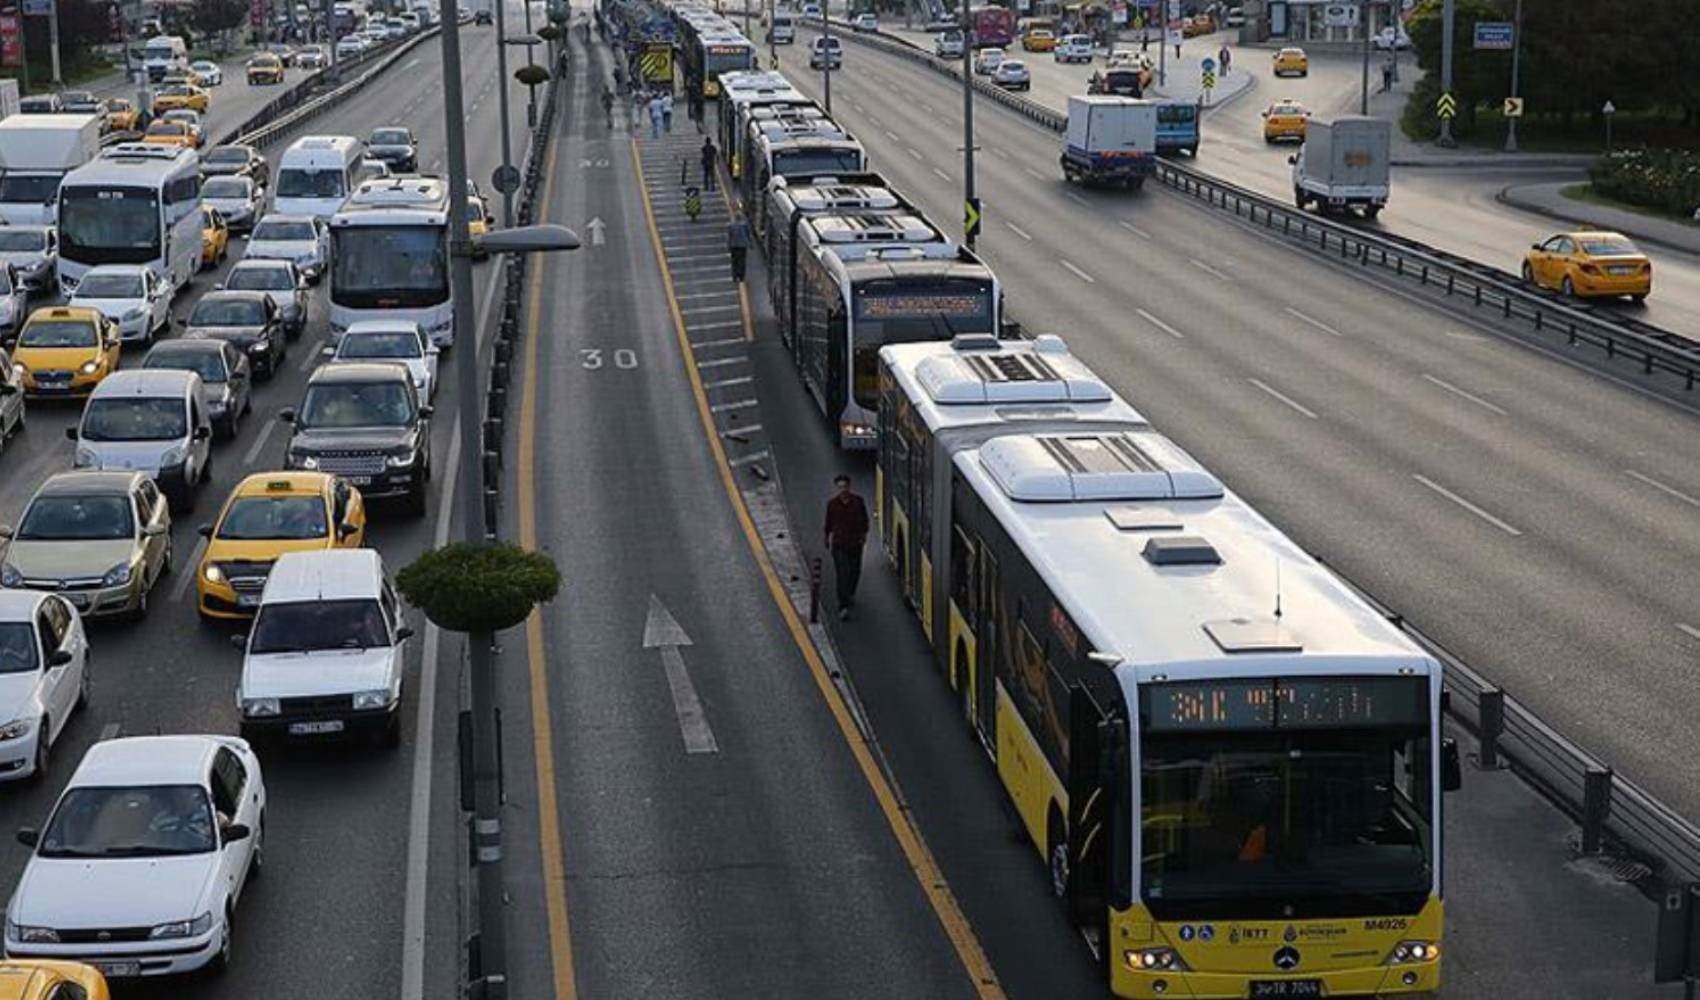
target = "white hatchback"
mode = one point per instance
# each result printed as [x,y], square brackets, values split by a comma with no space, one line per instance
[43,677]
[300,239]
[144,858]
[987,60]
[400,341]
[130,295]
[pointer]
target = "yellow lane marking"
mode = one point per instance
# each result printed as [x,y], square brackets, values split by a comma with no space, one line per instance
[543,747]
[749,317]
[921,862]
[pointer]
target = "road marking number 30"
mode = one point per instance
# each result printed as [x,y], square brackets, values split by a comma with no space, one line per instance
[593,358]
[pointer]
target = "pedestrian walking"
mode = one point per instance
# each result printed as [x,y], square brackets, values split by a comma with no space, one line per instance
[738,243]
[1386,76]
[710,160]
[655,117]
[1226,58]
[667,112]
[1177,50]
[846,533]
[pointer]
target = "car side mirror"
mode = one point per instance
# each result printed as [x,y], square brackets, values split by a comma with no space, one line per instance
[5,531]
[219,287]
[29,836]
[204,530]
[59,658]
[287,414]
[234,832]
[1293,159]
[1534,246]
[1451,772]
[71,432]
[404,632]
[203,432]
[327,351]
[425,411]
[240,641]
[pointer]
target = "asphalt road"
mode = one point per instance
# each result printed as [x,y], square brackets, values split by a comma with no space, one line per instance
[327,920]
[1534,516]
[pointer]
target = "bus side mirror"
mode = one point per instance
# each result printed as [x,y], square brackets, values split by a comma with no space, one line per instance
[1451,772]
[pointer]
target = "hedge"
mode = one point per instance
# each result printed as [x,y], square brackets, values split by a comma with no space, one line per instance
[1664,179]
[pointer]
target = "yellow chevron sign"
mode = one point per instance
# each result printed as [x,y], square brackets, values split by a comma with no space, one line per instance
[656,64]
[1446,106]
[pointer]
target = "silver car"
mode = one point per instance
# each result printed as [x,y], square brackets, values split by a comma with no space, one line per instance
[11,399]
[235,197]
[99,539]
[227,385]
[14,303]
[33,252]
[282,283]
[300,239]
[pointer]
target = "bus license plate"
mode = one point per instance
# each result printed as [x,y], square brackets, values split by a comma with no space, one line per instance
[1287,988]
[119,970]
[335,726]
[360,480]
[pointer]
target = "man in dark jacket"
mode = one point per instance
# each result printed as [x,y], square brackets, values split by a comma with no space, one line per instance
[846,533]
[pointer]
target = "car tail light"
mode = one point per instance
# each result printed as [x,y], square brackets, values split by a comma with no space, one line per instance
[1590,269]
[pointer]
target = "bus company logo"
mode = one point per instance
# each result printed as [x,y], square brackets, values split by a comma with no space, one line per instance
[1290,934]
[1387,924]
[1286,959]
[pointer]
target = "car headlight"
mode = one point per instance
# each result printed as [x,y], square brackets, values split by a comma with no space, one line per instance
[442,327]
[9,576]
[85,458]
[259,347]
[171,456]
[90,367]
[183,928]
[19,370]
[117,576]
[212,574]
[401,459]
[303,461]
[17,729]
[133,315]
[31,935]
[1406,952]
[256,708]
[373,699]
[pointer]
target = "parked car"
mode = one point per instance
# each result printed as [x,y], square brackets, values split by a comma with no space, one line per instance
[226,377]
[281,282]
[130,295]
[101,540]
[43,678]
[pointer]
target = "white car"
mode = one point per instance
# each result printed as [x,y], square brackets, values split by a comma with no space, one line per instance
[1012,74]
[140,867]
[397,340]
[43,677]
[190,119]
[14,303]
[948,45]
[865,22]
[326,654]
[350,47]
[811,10]
[1077,48]
[237,198]
[986,60]
[211,74]
[130,295]
[300,239]
[1391,38]
[282,282]
[826,53]
[33,252]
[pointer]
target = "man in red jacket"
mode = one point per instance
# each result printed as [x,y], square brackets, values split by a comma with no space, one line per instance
[846,533]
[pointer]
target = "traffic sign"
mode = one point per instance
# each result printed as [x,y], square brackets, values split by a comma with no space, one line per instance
[38,8]
[1513,107]
[971,217]
[1446,106]
[1495,35]
[1209,80]
[1209,65]
[505,179]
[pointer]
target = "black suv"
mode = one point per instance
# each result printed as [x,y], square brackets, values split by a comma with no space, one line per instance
[396,146]
[363,421]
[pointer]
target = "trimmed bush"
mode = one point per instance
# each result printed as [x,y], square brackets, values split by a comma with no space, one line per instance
[479,588]
[549,32]
[1667,180]
[532,75]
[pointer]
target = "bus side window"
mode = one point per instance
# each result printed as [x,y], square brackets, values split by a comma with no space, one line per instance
[962,576]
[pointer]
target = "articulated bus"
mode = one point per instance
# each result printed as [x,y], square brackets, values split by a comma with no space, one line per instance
[1231,765]
[390,256]
[789,200]
[741,92]
[725,52]
[858,284]
[135,203]
[796,147]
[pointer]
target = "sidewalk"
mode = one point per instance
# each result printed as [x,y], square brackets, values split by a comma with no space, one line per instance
[1408,152]
[1186,78]
[1546,199]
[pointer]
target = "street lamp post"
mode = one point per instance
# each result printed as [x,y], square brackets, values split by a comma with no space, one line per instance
[970,205]
[826,53]
[502,97]
[1516,53]
[530,92]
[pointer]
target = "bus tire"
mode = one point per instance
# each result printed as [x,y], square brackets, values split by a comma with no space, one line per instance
[1056,852]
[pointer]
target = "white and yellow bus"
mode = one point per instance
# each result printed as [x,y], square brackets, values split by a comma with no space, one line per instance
[1230,763]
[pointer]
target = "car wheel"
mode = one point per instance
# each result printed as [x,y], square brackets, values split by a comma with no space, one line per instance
[220,963]
[416,500]
[1528,273]
[390,738]
[1639,299]
[1567,287]
[83,693]
[257,860]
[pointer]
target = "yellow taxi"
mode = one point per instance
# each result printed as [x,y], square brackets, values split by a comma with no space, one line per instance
[479,222]
[265,67]
[1590,263]
[1292,60]
[164,133]
[1039,40]
[1285,120]
[65,351]
[268,514]
[215,237]
[185,95]
[43,979]
[121,115]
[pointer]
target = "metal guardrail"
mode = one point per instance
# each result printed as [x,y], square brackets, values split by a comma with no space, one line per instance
[1614,813]
[1658,352]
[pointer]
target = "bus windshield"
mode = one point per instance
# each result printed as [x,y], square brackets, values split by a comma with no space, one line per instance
[109,225]
[907,310]
[388,267]
[787,163]
[1286,823]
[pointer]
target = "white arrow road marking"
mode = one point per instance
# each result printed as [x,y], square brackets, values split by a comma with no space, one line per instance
[661,631]
[596,227]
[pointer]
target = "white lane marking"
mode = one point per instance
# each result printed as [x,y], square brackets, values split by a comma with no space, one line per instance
[703,345]
[1655,484]
[941,174]
[1461,394]
[752,457]
[928,108]
[1035,174]
[740,433]
[722,325]
[1159,324]
[108,732]
[259,441]
[1207,269]
[1017,230]
[1689,630]
[662,632]
[915,153]
[1078,200]
[723,383]
[723,362]
[1320,325]
[708,295]
[1135,230]
[1467,505]
[186,573]
[1077,272]
[742,404]
[858,107]
[1276,393]
[892,135]
[312,357]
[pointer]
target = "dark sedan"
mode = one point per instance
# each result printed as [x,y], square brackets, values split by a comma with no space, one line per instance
[250,321]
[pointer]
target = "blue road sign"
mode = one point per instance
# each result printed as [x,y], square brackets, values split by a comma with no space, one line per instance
[38,8]
[1494,35]
[1209,65]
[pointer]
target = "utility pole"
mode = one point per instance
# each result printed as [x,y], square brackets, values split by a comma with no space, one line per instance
[970,204]
[1363,25]
[826,52]
[53,40]
[502,95]
[1162,42]
[1516,52]
[1448,13]
[531,92]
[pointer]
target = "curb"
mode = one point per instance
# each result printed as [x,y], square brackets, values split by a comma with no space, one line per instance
[1497,161]
[1505,197]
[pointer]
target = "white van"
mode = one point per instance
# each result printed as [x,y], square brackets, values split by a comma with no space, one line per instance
[783,30]
[316,173]
[828,53]
[162,54]
[150,420]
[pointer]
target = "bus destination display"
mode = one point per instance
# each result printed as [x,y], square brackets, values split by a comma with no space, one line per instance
[905,306]
[1285,703]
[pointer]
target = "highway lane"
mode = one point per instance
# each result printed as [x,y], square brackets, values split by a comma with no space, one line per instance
[1482,489]
[327,919]
[727,850]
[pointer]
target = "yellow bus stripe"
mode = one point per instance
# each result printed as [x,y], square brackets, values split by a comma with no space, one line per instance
[915,851]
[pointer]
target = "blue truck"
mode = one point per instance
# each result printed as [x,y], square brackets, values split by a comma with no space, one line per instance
[1177,127]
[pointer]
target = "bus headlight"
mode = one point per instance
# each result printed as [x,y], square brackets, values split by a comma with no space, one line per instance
[1406,952]
[1155,960]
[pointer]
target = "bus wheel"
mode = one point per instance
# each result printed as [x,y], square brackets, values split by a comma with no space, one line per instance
[1056,845]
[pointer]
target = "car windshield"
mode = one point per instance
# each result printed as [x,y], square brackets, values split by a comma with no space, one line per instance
[1286,109]
[77,519]
[299,183]
[225,187]
[22,240]
[17,648]
[307,626]
[228,312]
[58,333]
[226,154]
[28,188]
[1608,246]
[259,279]
[166,128]
[138,822]
[134,419]
[283,232]
[268,517]
[110,286]
[390,137]
[379,345]
[356,404]
[206,364]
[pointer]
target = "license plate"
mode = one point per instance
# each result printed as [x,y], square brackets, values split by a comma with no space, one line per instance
[335,726]
[1287,988]
[360,480]
[247,600]
[1621,270]
[119,970]
[80,600]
